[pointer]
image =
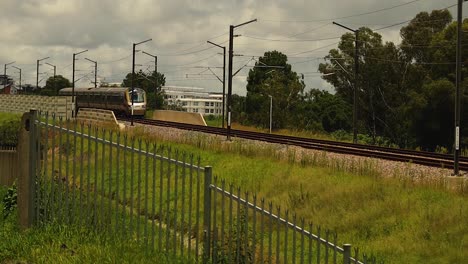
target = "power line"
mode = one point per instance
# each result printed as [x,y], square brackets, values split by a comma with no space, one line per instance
[292,40]
[343,17]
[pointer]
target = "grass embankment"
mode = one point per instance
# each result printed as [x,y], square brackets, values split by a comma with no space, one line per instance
[69,244]
[397,219]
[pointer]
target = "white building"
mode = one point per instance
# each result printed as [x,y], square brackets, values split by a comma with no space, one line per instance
[194,100]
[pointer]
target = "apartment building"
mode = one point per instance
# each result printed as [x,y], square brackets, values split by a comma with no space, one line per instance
[194,100]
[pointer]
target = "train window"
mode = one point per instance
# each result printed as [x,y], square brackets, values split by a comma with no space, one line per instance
[138,97]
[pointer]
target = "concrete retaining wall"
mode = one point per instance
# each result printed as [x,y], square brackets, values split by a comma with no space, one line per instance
[180,117]
[60,105]
[97,116]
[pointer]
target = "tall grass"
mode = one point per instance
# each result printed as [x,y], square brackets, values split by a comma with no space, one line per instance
[402,216]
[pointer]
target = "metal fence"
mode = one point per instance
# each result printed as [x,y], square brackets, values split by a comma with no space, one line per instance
[163,199]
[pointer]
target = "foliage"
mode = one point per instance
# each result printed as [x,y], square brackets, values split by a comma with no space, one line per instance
[405,93]
[272,76]
[9,129]
[53,85]
[10,201]
[151,83]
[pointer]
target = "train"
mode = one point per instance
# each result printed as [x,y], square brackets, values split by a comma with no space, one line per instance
[117,99]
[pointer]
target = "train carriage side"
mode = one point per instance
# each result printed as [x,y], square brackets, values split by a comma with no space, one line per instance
[115,99]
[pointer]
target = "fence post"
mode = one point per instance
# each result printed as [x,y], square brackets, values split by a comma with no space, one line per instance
[207,215]
[346,253]
[26,176]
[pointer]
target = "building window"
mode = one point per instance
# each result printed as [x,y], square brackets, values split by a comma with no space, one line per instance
[207,103]
[207,111]
[212,103]
[195,103]
[211,111]
[195,110]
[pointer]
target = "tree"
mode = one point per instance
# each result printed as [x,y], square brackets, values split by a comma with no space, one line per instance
[380,85]
[151,84]
[272,76]
[53,85]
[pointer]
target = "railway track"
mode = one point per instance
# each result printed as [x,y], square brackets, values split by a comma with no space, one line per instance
[418,157]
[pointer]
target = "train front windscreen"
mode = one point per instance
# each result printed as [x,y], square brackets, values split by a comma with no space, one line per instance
[138,96]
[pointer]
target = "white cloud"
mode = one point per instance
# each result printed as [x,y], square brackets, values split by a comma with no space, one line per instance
[34,29]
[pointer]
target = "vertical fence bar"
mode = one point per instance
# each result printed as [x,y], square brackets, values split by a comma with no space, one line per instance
[132,177]
[207,214]
[103,172]
[347,254]
[335,237]
[88,177]
[46,181]
[229,231]
[254,228]
[286,236]
[223,218]
[238,228]
[67,167]
[270,233]
[327,236]
[176,188]
[168,198]
[318,243]
[96,165]
[36,158]
[117,184]
[110,193]
[153,207]
[59,181]
[161,176]
[73,205]
[80,199]
[138,218]
[146,196]
[246,228]
[278,234]
[182,212]
[124,183]
[52,171]
[294,239]
[197,217]
[302,240]
[262,232]
[189,250]
[310,237]
[215,227]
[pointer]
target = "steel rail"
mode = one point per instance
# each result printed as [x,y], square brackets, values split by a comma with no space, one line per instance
[403,155]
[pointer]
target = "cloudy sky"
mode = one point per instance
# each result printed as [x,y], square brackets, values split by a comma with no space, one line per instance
[301,29]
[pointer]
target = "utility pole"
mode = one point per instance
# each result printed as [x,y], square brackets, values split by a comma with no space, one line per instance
[4,73]
[155,69]
[456,155]
[133,75]
[271,111]
[224,77]
[55,81]
[231,53]
[95,71]
[356,73]
[19,77]
[73,83]
[37,72]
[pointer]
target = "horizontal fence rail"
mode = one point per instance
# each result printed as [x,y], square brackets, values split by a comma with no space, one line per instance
[164,200]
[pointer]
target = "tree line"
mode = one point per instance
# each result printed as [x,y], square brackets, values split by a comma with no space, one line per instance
[405,93]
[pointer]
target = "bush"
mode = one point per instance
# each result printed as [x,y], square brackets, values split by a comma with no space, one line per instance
[9,129]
